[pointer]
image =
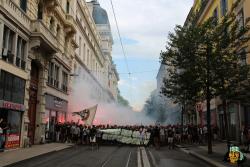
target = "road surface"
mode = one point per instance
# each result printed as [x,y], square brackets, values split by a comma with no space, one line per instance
[113,156]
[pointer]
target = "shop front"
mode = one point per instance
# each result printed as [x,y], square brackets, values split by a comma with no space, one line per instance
[246,115]
[233,121]
[12,91]
[11,115]
[213,120]
[56,112]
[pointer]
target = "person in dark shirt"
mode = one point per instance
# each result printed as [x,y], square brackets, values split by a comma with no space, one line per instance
[92,136]
[156,135]
[3,131]
[170,138]
[248,140]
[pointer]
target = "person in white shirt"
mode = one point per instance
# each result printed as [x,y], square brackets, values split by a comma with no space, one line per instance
[162,135]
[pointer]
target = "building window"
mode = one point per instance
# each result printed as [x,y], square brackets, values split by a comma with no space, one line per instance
[52,24]
[80,47]
[67,7]
[23,5]
[215,16]
[240,19]
[20,53]
[88,57]
[8,45]
[56,77]
[65,81]
[40,11]
[243,57]
[58,31]
[53,75]
[223,4]
[96,70]
[50,73]
[84,51]
[9,40]
[1,85]
[75,68]
[12,88]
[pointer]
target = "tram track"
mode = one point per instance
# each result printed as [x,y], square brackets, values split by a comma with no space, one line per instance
[84,156]
[109,158]
[117,156]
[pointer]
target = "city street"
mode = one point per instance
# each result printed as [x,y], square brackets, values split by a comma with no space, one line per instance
[174,158]
[130,76]
[112,156]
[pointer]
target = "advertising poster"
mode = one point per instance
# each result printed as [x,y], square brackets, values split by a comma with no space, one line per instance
[12,141]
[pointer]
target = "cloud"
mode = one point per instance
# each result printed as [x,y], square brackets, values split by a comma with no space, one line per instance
[147,22]
[127,41]
[144,26]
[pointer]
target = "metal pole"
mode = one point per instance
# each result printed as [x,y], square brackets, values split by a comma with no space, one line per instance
[239,125]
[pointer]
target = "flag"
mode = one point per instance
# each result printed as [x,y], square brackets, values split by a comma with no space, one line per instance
[87,115]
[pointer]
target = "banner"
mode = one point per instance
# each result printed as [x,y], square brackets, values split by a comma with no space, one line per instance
[87,115]
[12,141]
[126,136]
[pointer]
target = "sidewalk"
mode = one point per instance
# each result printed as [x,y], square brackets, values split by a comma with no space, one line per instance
[215,159]
[13,156]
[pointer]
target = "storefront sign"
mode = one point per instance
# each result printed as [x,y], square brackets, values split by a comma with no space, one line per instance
[56,103]
[11,106]
[12,141]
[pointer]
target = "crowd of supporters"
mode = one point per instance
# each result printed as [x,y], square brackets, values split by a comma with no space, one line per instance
[160,135]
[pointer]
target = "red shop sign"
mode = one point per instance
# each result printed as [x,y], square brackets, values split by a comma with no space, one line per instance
[12,106]
[12,141]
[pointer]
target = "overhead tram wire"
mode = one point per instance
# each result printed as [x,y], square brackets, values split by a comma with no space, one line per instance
[123,51]
[119,34]
[126,73]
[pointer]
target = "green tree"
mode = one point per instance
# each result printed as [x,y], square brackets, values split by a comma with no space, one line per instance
[121,100]
[204,62]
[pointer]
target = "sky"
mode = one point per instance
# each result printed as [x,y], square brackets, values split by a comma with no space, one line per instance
[144,26]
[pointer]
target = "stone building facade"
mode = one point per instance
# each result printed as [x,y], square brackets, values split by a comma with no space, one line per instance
[101,19]
[39,46]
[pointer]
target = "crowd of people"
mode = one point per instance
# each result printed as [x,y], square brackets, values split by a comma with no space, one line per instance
[160,135]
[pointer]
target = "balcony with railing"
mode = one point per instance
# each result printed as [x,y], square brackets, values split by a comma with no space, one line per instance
[14,11]
[47,39]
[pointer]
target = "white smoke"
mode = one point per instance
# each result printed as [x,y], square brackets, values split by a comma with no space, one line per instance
[85,95]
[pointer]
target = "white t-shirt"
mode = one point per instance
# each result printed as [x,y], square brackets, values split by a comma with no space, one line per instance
[1,130]
[205,129]
[162,132]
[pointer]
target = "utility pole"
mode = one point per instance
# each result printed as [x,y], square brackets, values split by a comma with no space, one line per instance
[208,98]
[182,114]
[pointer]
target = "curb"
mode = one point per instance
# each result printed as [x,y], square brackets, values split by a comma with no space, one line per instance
[207,160]
[56,149]
[201,157]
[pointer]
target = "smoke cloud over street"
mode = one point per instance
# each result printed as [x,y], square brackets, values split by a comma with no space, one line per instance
[83,97]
